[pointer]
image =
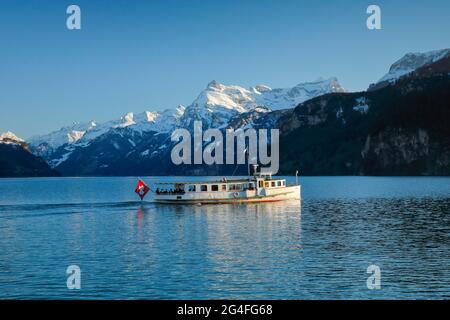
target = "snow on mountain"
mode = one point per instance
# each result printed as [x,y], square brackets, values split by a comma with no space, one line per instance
[159,122]
[65,135]
[10,138]
[218,103]
[411,62]
[146,121]
[81,134]
[277,99]
[215,106]
[229,97]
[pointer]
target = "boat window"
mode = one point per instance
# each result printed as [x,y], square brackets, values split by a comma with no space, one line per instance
[224,187]
[282,183]
[204,187]
[191,188]
[266,184]
[214,187]
[279,183]
[273,183]
[260,184]
[233,187]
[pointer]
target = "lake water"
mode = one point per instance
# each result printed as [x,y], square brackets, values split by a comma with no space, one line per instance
[317,250]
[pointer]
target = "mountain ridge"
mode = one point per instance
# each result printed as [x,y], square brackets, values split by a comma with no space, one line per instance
[215,106]
[399,129]
[408,64]
[16,159]
[335,127]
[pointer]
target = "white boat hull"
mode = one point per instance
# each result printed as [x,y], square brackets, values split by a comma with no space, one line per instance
[248,196]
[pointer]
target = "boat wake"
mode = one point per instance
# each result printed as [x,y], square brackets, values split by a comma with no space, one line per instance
[33,210]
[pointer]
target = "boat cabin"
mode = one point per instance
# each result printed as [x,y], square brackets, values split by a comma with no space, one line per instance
[259,182]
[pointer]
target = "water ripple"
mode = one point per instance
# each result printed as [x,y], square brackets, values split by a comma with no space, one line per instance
[317,250]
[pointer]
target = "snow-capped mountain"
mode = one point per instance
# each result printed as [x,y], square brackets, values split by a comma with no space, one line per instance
[278,99]
[141,122]
[16,160]
[46,144]
[145,137]
[398,130]
[10,138]
[218,103]
[215,107]
[81,134]
[409,63]
[140,143]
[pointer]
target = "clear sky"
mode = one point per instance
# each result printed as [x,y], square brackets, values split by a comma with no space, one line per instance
[151,55]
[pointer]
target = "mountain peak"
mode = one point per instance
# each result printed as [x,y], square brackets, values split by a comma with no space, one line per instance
[332,84]
[68,134]
[215,106]
[146,116]
[214,85]
[8,136]
[260,88]
[180,107]
[411,62]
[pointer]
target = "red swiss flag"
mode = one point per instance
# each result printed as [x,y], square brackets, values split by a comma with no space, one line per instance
[141,189]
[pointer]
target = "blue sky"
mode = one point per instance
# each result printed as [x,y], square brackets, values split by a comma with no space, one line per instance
[152,55]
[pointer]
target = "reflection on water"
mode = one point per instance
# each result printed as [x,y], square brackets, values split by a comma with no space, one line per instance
[317,250]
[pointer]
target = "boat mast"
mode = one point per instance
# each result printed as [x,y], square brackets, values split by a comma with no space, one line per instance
[248,163]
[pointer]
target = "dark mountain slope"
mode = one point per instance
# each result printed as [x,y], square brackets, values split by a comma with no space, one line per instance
[401,129]
[17,161]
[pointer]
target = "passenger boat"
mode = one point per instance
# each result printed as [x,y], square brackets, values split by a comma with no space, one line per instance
[261,187]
